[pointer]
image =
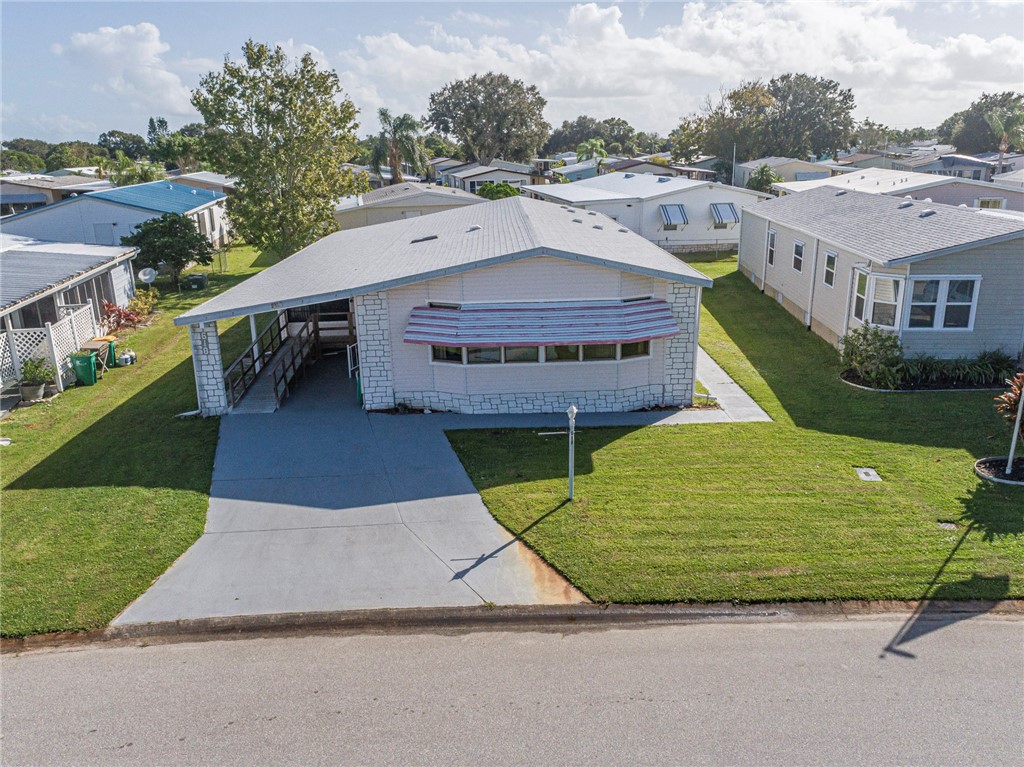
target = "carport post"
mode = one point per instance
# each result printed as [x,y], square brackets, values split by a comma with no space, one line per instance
[257,357]
[571,412]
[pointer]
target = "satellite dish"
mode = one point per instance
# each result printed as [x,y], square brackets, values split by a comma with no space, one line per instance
[147,275]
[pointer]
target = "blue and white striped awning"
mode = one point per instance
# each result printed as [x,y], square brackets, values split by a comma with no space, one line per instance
[541,324]
[725,213]
[673,215]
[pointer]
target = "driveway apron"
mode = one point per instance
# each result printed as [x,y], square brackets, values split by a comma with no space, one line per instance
[321,507]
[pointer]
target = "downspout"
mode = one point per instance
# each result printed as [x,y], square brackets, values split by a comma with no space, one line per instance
[814,279]
[764,269]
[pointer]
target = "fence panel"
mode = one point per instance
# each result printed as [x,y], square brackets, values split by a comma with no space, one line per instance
[64,344]
[8,371]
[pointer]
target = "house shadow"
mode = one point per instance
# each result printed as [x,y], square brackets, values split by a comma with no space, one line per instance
[802,370]
[138,443]
[946,604]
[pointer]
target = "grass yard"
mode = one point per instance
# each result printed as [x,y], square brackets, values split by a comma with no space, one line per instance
[772,511]
[103,488]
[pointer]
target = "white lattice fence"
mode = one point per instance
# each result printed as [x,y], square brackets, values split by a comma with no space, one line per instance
[8,371]
[85,323]
[64,343]
[31,343]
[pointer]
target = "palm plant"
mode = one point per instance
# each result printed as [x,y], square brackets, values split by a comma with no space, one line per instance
[124,171]
[1008,125]
[398,142]
[762,178]
[591,148]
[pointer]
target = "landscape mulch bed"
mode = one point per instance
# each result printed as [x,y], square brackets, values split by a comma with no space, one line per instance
[852,378]
[995,468]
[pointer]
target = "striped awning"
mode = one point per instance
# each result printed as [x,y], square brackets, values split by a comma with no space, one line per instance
[673,215]
[725,213]
[541,324]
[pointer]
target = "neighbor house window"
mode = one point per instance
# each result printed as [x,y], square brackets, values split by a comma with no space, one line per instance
[830,268]
[446,354]
[798,256]
[860,298]
[561,353]
[771,247]
[599,352]
[522,354]
[943,303]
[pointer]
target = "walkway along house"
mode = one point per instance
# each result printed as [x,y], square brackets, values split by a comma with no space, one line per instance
[948,280]
[512,306]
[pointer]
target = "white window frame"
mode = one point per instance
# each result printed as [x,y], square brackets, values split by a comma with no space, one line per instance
[1000,203]
[901,292]
[770,246]
[941,302]
[830,270]
[857,274]
[803,249]
[541,359]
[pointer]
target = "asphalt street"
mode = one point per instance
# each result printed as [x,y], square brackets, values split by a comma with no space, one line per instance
[870,691]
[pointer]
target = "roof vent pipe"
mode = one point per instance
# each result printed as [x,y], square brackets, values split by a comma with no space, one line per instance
[925,213]
[629,175]
[905,204]
[474,228]
[840,193]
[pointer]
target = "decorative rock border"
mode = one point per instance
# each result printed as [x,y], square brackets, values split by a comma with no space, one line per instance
[917,391]
[997,480]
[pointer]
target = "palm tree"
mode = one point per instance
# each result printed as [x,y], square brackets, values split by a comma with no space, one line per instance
[1008,125]
[591,148]
[397,142]
[125,171]
[762,178]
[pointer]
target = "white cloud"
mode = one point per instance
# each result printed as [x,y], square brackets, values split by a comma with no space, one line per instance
[129,64]
[295,50]
[593,64]
[62,127]
[480,19]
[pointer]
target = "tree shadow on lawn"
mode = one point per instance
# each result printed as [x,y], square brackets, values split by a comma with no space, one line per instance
[802,371]
[138,443]
[946,604]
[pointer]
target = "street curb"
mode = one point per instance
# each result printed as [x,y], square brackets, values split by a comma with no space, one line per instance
[561,618]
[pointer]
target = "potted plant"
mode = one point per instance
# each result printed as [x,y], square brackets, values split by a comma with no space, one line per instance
[35,374]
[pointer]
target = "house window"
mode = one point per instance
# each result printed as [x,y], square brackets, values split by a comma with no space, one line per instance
[860,299]
[771,247]
[830,268]
[798,256]
[598,352]
[943,303]
[522,354]
[885,299]
[561,353]
[487,355]
[995,203]
[638,349]
[451,354]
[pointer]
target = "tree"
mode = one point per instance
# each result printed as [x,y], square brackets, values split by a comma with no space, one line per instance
[762,178]
[397,143]
[807,116]
[282,129]
[123,170]
[29,145]
[618,135]
[870,135]
[688,139]
[13,159]
[178,150]
[1008,125]
[492,116]
[493,191]
[437,146]
[156,129]
[591,148]
[72,154]
[130,144]
[171,242]
[968,130]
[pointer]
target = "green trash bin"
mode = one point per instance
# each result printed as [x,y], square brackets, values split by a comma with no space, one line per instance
[84,365]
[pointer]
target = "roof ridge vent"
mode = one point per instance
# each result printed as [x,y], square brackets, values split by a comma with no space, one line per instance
[598,226]
[925,213]
[623,230]
[905,204]
[474,228]
[840,193]
[591,213]
[577,220]
[424,239]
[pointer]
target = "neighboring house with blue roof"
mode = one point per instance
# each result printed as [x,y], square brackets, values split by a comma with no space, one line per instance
[104,217]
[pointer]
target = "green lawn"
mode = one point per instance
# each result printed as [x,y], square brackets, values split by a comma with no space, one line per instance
[104,488]
[773,511]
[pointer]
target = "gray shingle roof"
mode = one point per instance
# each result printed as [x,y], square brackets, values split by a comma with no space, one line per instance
[401,191]
[876,227]
[372,258]
[29,267]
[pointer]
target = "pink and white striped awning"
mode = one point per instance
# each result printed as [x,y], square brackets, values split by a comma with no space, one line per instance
[541,324]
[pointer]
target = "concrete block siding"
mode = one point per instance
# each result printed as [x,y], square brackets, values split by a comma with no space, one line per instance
[209,369]
[375,361]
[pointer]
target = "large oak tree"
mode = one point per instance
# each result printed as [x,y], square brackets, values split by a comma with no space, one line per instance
[492,116]
[282,129]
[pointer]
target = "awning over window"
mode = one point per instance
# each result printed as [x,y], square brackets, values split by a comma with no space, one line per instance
[673,215]
[725,213]
[541,324]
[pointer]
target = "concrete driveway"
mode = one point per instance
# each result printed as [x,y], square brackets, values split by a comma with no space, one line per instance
[321,507]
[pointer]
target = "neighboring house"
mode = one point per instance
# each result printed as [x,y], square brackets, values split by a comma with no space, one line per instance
[1011,161]
[52,188]
[643,166]
[438,165]
[789,168]
[204,179]
[959,165]
[1014,178]
[498,172]
[510,306]
[676,214]
[948,280]
[104,217]
[866,160]
[393,203]
[947,190]
[580,170]
[51,297]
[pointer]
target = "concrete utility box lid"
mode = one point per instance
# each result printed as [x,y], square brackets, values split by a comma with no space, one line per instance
[868,475]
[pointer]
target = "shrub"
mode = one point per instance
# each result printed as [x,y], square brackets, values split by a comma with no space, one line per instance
[1008,402]
[35,372]
[116,317]
[144,302]
[874,356]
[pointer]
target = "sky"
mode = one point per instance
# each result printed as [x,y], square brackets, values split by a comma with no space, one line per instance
[73,70]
